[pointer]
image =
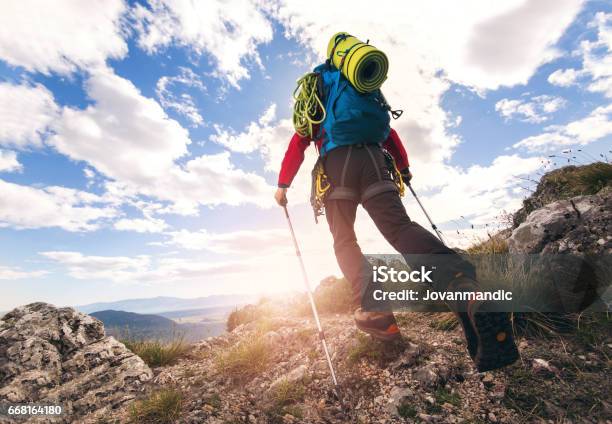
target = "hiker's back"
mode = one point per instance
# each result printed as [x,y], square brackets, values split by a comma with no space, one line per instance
[352,117]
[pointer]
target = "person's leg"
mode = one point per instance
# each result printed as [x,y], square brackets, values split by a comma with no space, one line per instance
[413,241]
[340,216]
[488,335]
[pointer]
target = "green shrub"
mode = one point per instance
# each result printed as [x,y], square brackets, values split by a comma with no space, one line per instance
[264,309]
[161,407]
[157,353]
[332,295]
[244,315]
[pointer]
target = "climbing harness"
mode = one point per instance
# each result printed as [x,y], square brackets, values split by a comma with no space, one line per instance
[320,189]
[395,173]
[308,110]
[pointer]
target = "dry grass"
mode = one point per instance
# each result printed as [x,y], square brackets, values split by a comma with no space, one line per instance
[444,321]
[495,244]
[244,360]
[161,407]
[156,353]
[587,179]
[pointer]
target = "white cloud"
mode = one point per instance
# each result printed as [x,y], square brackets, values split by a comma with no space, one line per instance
[9,162]
[229,31]
[478,193]
[69,209]
[534,110]
[167,88]
[423,59]
[596,60]
[141,225]
[113,268]
[26,111]
[143,268]
[253,138]
[129,138]
[12,273]
[595,126]
[123,135]
[483,44]
[564,77]
[235,242]
[270,136]
[61,36]
[506,49]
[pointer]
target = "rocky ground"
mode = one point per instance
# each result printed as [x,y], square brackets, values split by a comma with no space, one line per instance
[427,377]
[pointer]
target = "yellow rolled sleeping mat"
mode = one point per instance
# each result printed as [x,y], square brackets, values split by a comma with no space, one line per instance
[363,65]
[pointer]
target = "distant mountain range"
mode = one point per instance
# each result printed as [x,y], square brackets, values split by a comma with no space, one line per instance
[155,305]
[165,318]
[129,325]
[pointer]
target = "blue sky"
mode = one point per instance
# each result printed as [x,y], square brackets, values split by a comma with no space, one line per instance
[140,145]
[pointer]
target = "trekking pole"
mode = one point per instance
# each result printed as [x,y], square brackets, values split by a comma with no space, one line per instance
[312,302]
[426,214]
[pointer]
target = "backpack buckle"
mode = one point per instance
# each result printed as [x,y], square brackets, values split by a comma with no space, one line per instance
[396,113]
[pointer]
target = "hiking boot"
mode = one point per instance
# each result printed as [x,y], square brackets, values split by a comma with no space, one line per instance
[380,325]
[488,334]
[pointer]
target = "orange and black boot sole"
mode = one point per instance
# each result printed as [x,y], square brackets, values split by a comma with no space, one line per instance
[382,329]
[490,339]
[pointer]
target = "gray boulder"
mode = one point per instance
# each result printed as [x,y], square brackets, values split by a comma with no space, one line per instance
[61,356]
[578,225]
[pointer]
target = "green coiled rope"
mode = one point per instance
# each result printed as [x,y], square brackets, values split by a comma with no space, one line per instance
[308,109]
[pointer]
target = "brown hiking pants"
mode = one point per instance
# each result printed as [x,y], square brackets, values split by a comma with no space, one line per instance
[359,174]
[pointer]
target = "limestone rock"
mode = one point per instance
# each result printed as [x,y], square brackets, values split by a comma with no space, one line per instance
[577,225]
[293,376]
[398,397]
[427,376]
[59,355]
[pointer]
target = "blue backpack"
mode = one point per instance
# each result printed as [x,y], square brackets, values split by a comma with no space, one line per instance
[351,117]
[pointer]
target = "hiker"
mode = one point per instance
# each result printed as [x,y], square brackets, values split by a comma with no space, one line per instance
[356,169]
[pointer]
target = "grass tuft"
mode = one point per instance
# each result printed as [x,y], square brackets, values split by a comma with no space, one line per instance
[157,353]
[365,348]
[282,398]
[161,407]
[445,321]
[406,410]
[443,396]
[244,360]
[495,244]
[213,400]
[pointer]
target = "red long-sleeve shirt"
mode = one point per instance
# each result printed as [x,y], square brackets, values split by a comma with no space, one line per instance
[294,156]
